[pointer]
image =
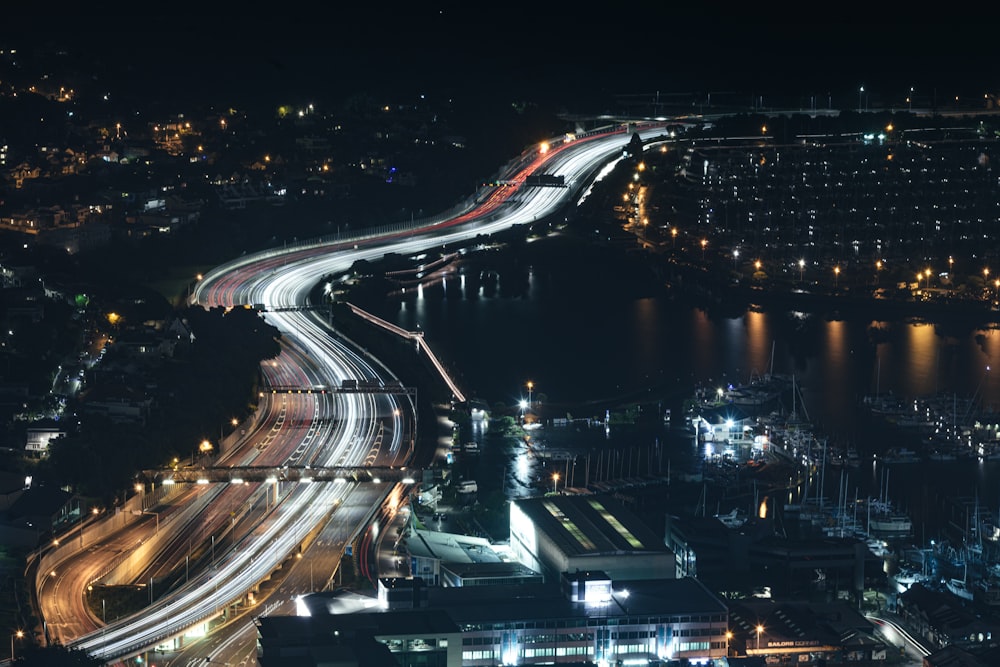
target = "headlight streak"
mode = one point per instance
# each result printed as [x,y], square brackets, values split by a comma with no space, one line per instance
[311,355]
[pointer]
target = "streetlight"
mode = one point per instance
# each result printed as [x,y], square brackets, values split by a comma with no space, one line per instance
[205,447]
[836,277]
[802,266]
[17,635]
[232,422]
[729,638]
[878,269]
[760,629]
[861,90]
[704,242]
[531,385]
[673,236]
[927,273]
[555,482]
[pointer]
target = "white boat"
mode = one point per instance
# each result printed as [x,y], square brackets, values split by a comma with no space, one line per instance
[877,547]
[906,577]
[958,587]
[890,524]
[733,519]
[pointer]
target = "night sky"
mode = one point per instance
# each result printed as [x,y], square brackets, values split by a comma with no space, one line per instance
[503,49]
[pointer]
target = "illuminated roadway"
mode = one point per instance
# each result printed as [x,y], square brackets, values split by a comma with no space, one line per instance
[331,430]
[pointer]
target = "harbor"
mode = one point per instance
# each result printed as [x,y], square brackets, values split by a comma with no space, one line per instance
[960,558]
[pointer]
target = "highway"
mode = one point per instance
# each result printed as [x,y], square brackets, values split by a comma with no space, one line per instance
[280,520]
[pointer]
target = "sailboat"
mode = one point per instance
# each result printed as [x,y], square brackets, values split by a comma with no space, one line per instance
[960,587]
[883,520]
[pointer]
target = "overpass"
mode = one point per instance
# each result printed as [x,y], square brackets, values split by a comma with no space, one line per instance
[417,336]
[306,474]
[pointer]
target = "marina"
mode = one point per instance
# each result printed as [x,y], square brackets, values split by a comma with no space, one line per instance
[963,559]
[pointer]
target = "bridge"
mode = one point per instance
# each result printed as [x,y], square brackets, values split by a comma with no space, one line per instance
[304,474]
[346,387]
[422,345]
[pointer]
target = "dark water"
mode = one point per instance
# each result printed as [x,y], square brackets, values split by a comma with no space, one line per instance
[580,334]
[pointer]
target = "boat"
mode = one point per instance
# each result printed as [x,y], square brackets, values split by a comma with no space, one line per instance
[733,519]
[878,547]
[959,588]
[883,519]
[900,455]
[906,577]
[890,524]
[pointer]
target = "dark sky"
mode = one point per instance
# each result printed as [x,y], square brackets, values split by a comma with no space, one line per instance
[504,49]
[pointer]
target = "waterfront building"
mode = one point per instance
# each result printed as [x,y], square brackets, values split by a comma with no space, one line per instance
[752,556]
[557,534]
[944,619]
[803,633]
[584,618]
[448,559]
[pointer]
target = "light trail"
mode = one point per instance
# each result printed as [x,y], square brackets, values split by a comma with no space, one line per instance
[280,281]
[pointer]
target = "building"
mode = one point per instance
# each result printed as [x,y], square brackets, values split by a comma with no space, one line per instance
[407,637]
[39,435]
[557,534]
[585,618]
[449,559]
[942,619]
[803,633]
[731,558]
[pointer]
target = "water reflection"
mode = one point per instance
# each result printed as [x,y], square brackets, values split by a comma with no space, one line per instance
[585,336]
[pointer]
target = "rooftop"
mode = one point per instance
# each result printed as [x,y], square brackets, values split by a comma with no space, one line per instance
[582,525]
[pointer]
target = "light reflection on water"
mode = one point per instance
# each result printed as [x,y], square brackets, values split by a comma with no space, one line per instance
[581,337]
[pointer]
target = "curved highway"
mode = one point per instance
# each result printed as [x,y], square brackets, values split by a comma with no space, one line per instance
[330,429]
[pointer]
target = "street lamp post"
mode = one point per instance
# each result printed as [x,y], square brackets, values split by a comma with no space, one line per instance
[555,482]
[704,242]
[531,385]
[760,629]
[836,277]
[861,91]
[17,635]
[802,267]
[205,447]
